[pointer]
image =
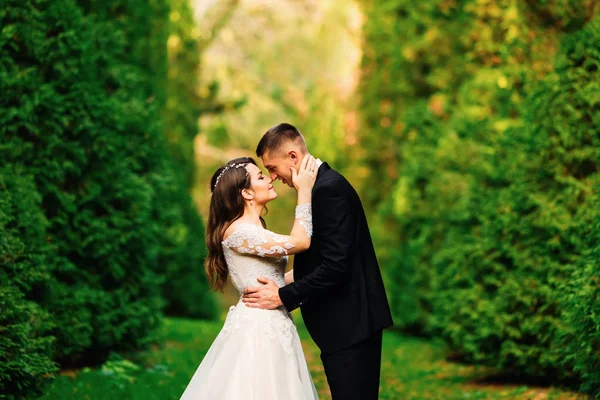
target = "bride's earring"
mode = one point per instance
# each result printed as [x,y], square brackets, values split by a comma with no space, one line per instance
[251,202]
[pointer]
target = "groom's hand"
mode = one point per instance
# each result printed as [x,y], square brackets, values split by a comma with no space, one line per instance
[266,296]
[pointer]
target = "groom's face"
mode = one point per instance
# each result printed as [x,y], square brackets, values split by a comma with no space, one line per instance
[278,164]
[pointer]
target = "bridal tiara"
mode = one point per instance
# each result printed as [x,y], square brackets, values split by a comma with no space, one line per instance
[232,166]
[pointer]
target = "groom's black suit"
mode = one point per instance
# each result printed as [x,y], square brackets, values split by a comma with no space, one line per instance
[339,288]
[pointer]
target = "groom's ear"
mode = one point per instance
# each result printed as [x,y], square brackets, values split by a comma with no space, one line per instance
[293,156]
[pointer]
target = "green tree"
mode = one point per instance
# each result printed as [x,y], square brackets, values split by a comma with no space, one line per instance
[26,341]
[96,219]
[486,159]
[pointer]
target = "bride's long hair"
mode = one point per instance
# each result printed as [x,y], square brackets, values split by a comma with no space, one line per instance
[226,206]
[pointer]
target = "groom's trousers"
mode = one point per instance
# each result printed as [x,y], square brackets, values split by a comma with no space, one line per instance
[353,373]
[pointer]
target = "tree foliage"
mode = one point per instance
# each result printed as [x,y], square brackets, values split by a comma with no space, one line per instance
[486,150]
[98,230]
[26,342]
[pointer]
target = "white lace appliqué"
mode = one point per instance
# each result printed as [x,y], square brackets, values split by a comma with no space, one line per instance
[275,324]
[252,239]
[304,214]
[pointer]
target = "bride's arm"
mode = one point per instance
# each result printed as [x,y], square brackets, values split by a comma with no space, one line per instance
[289,277]
[302,230]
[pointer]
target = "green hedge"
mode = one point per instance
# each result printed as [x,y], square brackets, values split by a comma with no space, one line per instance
[182,109]
[500,302]
[582,304]
[442,83]
[576,125]
[99,231]
[490,163]
[91,153]
[26,344]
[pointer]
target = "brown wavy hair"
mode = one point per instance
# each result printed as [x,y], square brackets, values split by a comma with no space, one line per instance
[226,206]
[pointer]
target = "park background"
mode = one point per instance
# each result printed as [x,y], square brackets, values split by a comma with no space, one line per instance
[470,128]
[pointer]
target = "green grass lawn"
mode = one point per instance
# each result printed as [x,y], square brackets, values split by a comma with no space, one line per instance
[411,369]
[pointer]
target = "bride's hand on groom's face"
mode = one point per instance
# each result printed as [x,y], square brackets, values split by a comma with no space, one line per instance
[266,296]
[307,173]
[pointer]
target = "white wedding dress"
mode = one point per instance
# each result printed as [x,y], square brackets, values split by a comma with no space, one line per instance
[257,355]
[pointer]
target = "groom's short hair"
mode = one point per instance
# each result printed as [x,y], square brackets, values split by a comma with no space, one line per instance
[276,136]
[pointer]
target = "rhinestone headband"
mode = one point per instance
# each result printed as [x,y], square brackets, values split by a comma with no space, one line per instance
[232,166]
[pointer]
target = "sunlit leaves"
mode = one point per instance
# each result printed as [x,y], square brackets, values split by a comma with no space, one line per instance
[494,168]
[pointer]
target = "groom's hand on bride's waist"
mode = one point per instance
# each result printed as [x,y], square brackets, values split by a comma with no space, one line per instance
[265,296]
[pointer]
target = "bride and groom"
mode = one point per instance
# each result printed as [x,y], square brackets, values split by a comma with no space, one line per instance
[335,281]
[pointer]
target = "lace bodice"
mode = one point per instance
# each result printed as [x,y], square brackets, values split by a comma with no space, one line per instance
[252,252]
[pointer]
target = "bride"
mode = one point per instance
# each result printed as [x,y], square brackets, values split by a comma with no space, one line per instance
[257,354]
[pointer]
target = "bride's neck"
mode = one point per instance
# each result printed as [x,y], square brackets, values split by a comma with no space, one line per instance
[252,213]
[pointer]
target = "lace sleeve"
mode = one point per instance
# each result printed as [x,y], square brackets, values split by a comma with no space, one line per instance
[304,216]
[253,239]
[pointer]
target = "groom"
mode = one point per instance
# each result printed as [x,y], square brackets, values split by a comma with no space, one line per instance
[337,282]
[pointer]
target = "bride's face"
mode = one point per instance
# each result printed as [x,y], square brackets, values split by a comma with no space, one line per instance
[261,185]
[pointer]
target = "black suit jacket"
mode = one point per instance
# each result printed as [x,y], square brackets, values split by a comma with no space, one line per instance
[338,284]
